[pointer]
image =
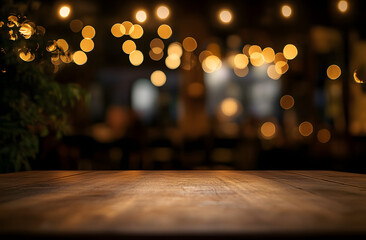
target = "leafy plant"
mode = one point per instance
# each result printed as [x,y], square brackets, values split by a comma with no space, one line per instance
[32,103]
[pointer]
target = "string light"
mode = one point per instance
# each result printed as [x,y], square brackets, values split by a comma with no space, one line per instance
[64,11]
[225,16]
[342,6]
[286,11]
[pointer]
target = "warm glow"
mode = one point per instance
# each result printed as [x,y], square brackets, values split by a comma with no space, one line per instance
[333,72]
[306,128]
[268,130]
[342,6]
[280,57]
[156,56]
[256,59]
[203,55]
[272,73]
[254,49]
[229,107]
[246,49]
[189,44]
[65,11]
[87,45]
[290,51]
[158,78]
[225,16]
[76,25]
[137,32]
[286,11]
[268,55]
[157,45]
[79,57]
[211,64]
[118,30]
[241,72]
[287,101]
[162,12]
[27,57]
[195,89]
[281,67]
[141,16]
[128,27]
[214,48]
[62,44]
[129,46]
[164,31]
[175,48]
[172,61]
[88,32]
[136,58]
[323,135]
[240,61]
[356,76]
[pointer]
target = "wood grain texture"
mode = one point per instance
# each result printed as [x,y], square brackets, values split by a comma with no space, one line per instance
[183,204]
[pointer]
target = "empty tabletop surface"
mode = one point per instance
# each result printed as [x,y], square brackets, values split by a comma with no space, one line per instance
[183,204]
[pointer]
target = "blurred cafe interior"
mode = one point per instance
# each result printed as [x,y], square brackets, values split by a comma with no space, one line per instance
[204,84]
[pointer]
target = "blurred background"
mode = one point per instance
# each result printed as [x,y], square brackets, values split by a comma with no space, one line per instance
[209,84]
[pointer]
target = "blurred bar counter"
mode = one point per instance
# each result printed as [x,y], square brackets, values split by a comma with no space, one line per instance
[183,204]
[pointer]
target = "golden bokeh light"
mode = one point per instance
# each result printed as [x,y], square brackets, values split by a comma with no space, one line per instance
[287,102]
[128,27]
[306,128]
[137,32]
[256,59]
[268,130]
[211,64]
[118,30]
[66,58]
[156,56]
[225,16]
[246,49]
[241,61]
[323,135]
[254,49]
[128,46]
[333,72]
[79,57]
[88,32]
[162,12]
[64,11]
[229,107]
[290,51]
[141,16]
[158,78]
[27,57]
[172,61]
[87,45]
[164,31]
[279,57]
[286,11]
[62,44]
[357,75]
[136,58]
[342,6]
[241,72]
[268,55]
[157,45]
[76,25]
[272,73]
[175,48]
[189,44]
[204,54]
[281,67]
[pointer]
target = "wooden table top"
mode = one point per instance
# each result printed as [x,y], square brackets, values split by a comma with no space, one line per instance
[182,204]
